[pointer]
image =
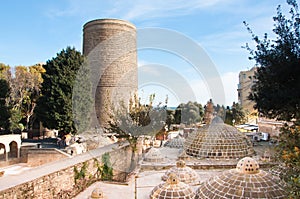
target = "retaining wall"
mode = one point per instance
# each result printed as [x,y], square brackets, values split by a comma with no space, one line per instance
[67,177]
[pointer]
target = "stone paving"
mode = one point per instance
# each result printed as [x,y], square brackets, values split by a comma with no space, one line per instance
[141,186]
[15,169]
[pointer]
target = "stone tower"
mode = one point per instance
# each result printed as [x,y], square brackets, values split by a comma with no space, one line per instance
[110,47]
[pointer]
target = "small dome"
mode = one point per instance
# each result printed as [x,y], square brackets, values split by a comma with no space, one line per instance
[247,165]
[217,120]
[153,155]
[218,140]
[97,194]
[172,188]
[180,164]
[242,182]
[184,174]
[177,142]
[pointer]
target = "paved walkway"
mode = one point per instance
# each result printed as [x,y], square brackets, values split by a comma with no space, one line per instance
[139,187]
[15,169]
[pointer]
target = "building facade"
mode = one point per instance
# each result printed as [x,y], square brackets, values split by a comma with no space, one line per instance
[246,81]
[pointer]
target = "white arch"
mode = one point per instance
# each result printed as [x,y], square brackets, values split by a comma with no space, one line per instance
[7,139]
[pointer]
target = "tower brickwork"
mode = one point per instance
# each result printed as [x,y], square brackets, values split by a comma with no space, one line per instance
[110,46]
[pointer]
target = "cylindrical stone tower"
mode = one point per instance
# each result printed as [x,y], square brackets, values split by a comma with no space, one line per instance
[110,48]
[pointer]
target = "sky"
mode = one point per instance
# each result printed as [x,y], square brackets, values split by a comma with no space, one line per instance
[35,31]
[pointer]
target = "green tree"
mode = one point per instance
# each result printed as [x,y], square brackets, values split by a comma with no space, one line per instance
[82,98]
[170,118]
[4,109]
[235,115]
[177,115]
[25,90]
[135,120]
[54,107]
[189,113]
[5,72]
[289,152]
[228,116]
[220,111]
[277,91]
[5,113]
[15,124]
[238,113]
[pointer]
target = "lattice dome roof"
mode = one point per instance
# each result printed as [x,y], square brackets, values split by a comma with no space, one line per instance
[172,188]
[242,182]
[184,173]
[177,142]
[153,155]
[218,140]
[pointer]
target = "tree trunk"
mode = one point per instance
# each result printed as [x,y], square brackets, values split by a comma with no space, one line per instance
[132,161]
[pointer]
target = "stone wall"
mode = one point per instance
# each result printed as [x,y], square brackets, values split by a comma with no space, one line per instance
[36,157]
[270,126]
[67,177]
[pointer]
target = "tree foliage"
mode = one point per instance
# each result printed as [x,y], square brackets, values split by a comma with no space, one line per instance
[55,105]
[220,111]
[289,154]
[24,86]
[277,90]
[82,99]
[137,119]
[235,114]
[170,118]
[189,113]
[25,91]
[4,109]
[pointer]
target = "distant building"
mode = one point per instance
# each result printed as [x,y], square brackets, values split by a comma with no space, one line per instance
[270,126]
[246,81]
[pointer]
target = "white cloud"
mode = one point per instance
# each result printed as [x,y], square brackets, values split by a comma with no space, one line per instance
[203,91]
[133,10]
[158,8]
[145,68]
[142,62]
[230,81]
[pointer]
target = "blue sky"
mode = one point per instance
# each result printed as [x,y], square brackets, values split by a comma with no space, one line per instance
[34,31]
